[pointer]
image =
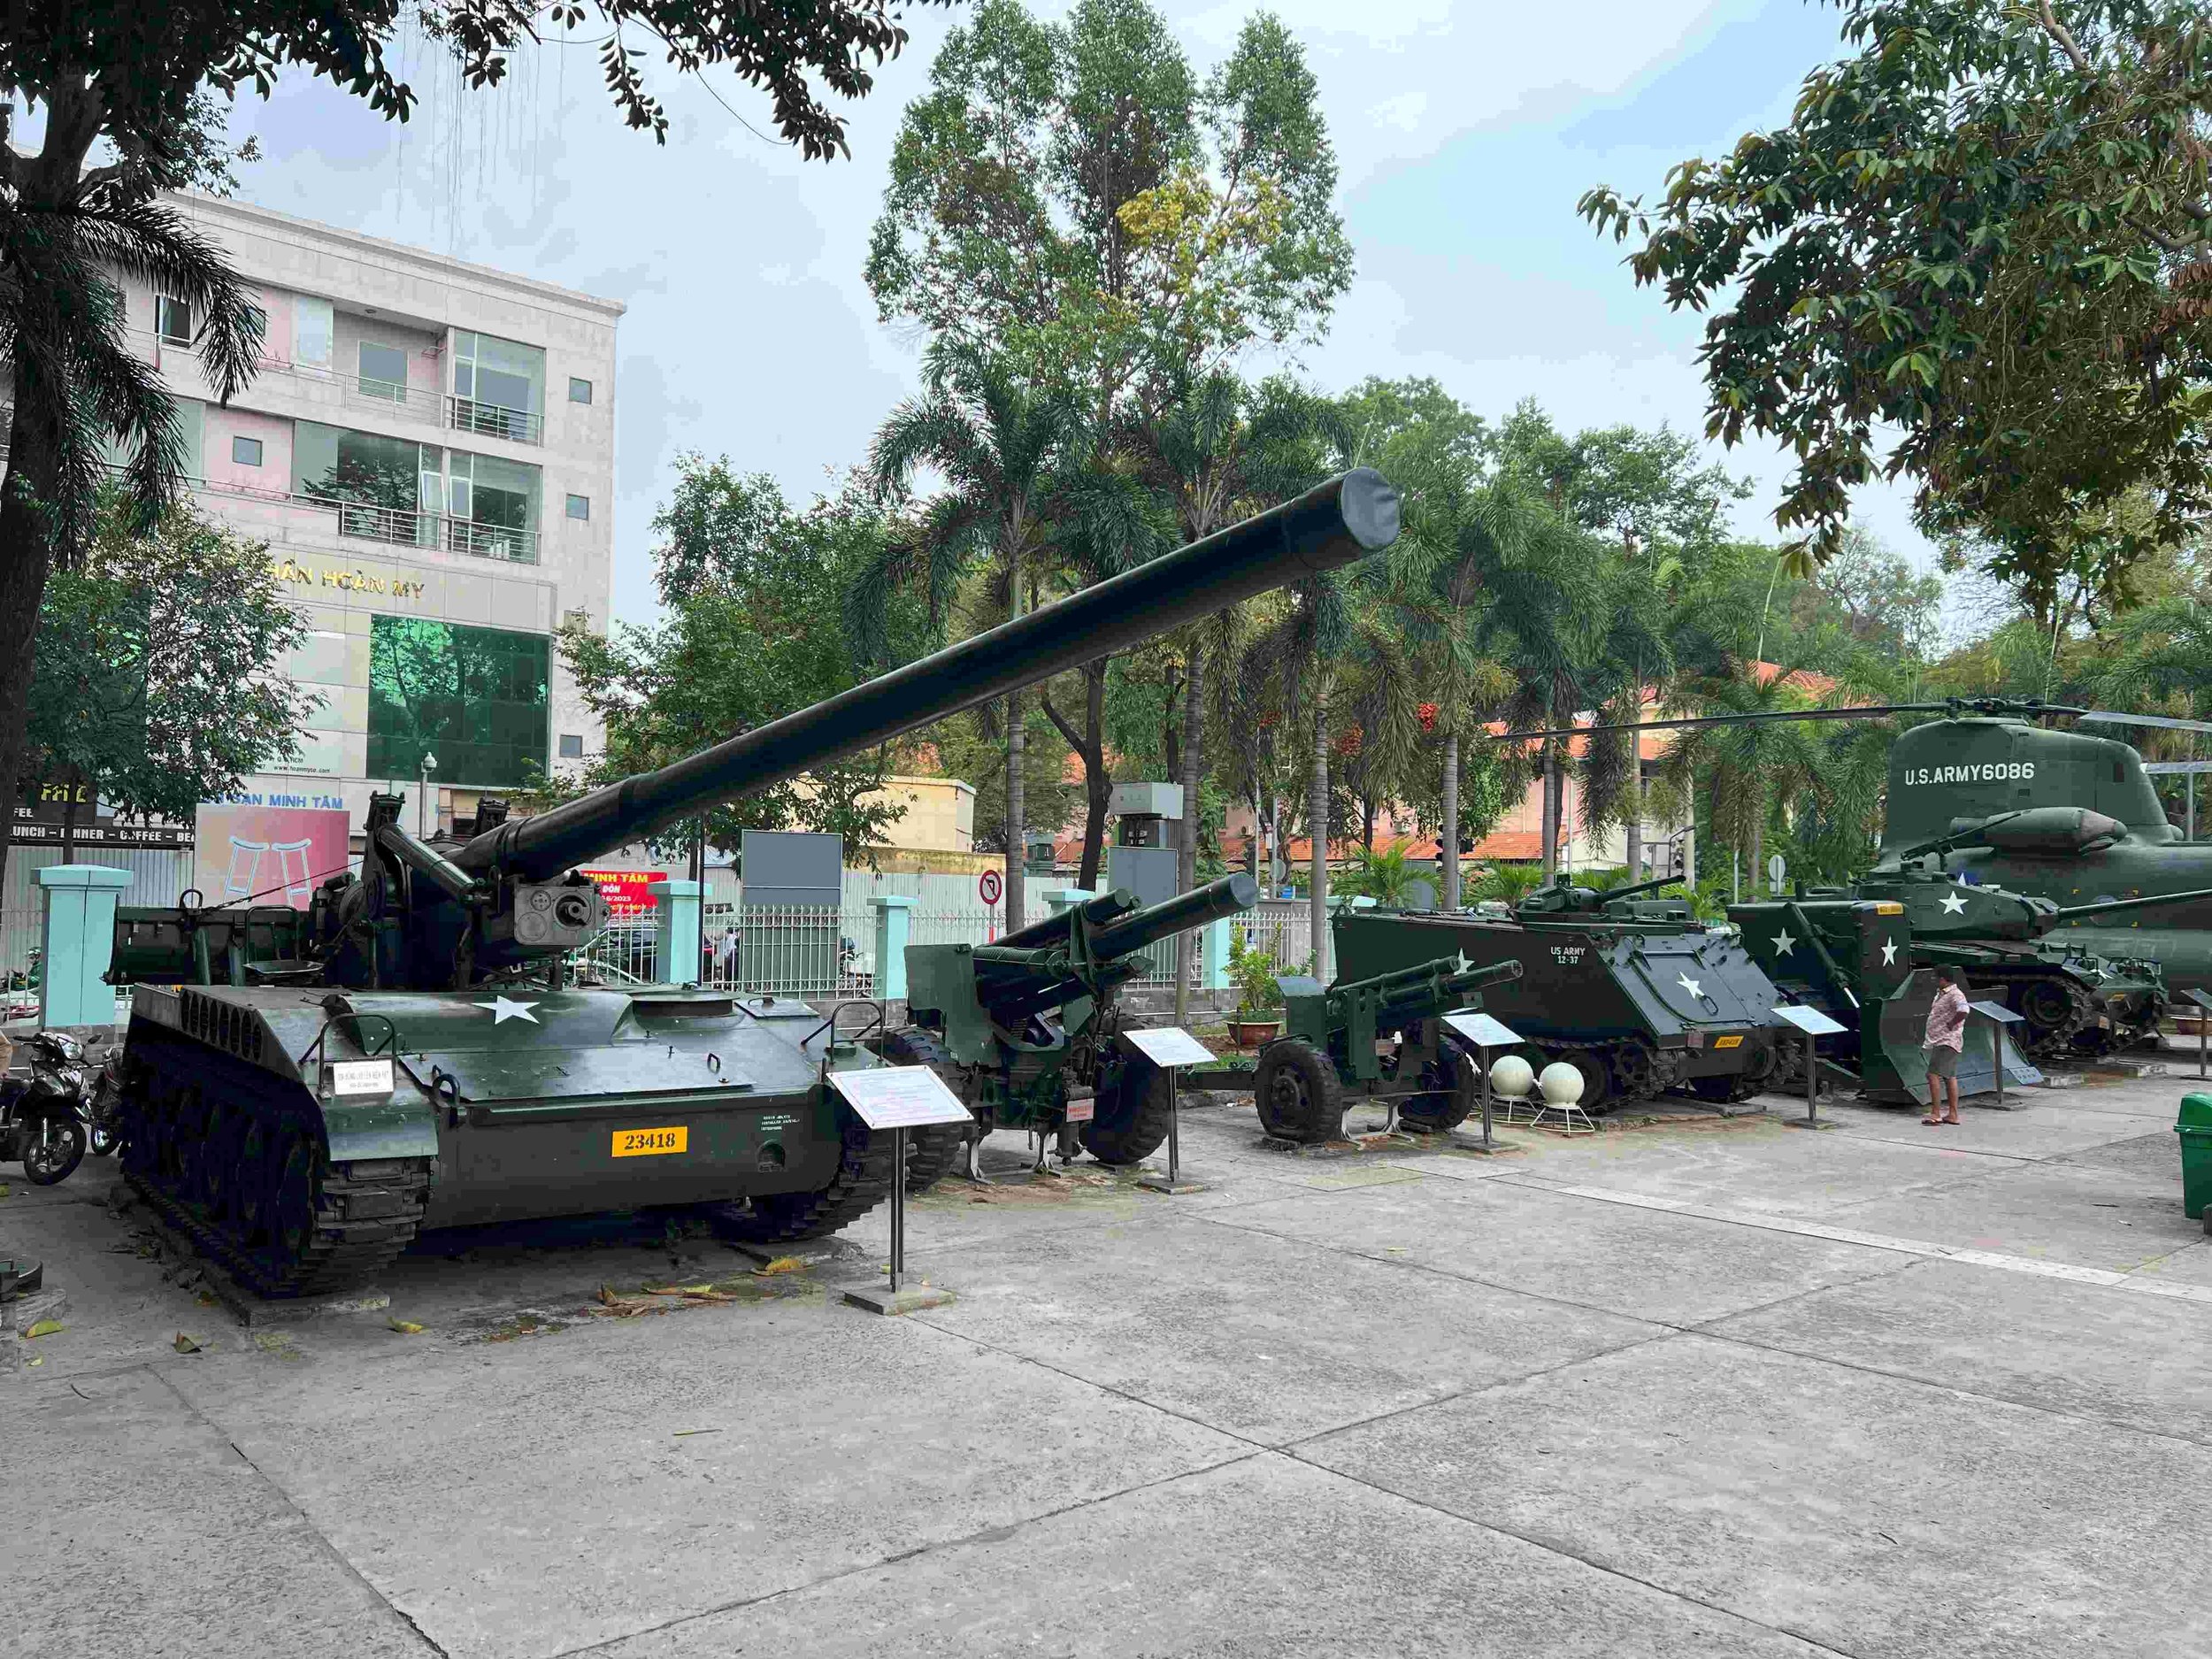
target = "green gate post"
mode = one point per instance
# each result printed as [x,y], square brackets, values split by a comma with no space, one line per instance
[1213,956]
[78,939]
[676,907]
[894,925]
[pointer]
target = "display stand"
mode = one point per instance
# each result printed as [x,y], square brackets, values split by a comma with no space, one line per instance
[1483,1033]
[1812,1023]
[1999,1017]
[1170,1048]
[2203,1004]
[898,1098]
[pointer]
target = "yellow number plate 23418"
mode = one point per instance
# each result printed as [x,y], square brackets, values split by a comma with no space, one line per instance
[1719,1042]
[645,1143]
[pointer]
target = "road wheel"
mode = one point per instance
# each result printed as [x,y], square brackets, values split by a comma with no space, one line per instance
[1129,1120]
[1297,1093]
[933,1149]
[1453,1091]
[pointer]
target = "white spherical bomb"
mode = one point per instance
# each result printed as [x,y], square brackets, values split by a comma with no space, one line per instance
[1561,1084]
[1511,1076]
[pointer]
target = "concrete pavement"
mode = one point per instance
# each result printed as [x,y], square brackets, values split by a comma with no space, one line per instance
[1699,1386]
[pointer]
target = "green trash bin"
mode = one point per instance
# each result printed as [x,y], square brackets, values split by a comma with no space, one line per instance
[2194,1126]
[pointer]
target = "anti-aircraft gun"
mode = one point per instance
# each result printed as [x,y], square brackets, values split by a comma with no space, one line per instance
[2070,999]
[424,1063]
[1332,1049]
[1562,897]
[1023,1030]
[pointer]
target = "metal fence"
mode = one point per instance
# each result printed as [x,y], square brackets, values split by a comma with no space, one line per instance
[1284,932]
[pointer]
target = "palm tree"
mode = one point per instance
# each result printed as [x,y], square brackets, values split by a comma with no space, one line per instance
[1746,768]
[997,441]
[80,392]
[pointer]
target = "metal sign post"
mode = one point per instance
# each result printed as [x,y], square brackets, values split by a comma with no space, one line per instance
[1170,1048]
[2204,1025]
[1485,1034]
[1999,1017]
[1813,1024]
[898,1098]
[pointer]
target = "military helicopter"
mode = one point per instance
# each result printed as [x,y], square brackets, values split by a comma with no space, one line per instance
[2066,816]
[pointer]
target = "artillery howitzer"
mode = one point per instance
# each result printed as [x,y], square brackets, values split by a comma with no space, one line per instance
[1021,1028]
[1331,1042]
[419,1059]
[1637,1006]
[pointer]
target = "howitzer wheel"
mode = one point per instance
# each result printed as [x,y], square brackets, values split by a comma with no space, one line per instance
[1297,1093]
[1451,1081]
[933,1149]
[1129,1120]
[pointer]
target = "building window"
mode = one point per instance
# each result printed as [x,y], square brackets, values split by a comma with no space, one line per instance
[245,451]
[313,328]
[173,320]
[571,745]
[257,320]
[383,371]
[580,506]
[498,387]
[475,697]
[386,489]
[494,504]
[579,391]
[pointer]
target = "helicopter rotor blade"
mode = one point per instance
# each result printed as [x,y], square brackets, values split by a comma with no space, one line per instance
[2163,720]
[1874,711]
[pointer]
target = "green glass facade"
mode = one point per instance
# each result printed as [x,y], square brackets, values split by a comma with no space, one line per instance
[476,698]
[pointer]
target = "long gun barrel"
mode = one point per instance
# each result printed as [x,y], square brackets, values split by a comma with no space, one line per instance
[1017,980]
[1634,887]
[1426,982]
[2109,907]
[1332,524]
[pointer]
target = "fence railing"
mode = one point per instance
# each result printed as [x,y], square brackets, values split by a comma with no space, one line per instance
[494,420]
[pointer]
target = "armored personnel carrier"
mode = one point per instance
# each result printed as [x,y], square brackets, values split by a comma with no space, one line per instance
[420,1056]
[1638,1003]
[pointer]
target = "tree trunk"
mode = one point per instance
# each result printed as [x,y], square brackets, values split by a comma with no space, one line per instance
[1447,838]
[1014,827]
[1633,832]
[1552,784]
[1758,849]
[25,558]
[1187,853]
[1318,829]
[1098,782]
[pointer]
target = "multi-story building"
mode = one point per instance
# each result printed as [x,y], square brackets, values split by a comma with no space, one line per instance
[428,450]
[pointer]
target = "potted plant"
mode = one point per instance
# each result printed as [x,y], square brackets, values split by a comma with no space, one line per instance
[1259,996]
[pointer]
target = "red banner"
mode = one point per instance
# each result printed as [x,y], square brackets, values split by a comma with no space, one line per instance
[628,891]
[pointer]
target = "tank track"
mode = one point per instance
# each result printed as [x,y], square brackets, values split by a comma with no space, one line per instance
[863,1181]
[2047,1041]
[363,1215]
[933,1149]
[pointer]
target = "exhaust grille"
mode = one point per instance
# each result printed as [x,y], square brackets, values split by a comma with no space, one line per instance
[223,1026]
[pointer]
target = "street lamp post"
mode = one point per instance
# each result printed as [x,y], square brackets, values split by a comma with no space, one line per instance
[424,823]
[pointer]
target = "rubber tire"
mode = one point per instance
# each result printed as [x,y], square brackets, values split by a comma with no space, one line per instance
[1131,1124]
[1314,1112]
[1598,1093]
[1450,1105]
[53,1175]
[931,1151]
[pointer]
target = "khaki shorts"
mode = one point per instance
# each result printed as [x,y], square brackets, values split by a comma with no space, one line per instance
[1943,1063]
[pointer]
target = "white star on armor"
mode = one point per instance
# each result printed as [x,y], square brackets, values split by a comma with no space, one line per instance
[1954,903]
[1889,953]
[1782,943]
[1689,985]
[503,1010]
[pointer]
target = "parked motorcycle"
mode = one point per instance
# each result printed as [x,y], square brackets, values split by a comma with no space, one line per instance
[46,1118]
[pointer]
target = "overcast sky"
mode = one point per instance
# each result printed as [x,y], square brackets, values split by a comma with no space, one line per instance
[1466,130]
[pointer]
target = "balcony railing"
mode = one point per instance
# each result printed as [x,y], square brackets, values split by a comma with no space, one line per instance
[397,527]
[494,420]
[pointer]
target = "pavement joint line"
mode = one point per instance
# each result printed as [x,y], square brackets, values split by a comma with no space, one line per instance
[2104,1277]
[1556,1546]
[345,1565]
[985,1535]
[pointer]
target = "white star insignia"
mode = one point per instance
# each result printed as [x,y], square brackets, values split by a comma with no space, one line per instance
[1463,963]
[1889,953]
[1689,985]
[1782,943]
[1954,903]
[502,1010]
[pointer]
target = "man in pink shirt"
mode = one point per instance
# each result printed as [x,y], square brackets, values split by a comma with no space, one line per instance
[1945,1037]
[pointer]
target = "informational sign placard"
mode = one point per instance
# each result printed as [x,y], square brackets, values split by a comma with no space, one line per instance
[899,1097]
[1811,1021]
[1997,1011]
[1482,1031]
[2198,997]
[361,1077]
[1169,1045]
